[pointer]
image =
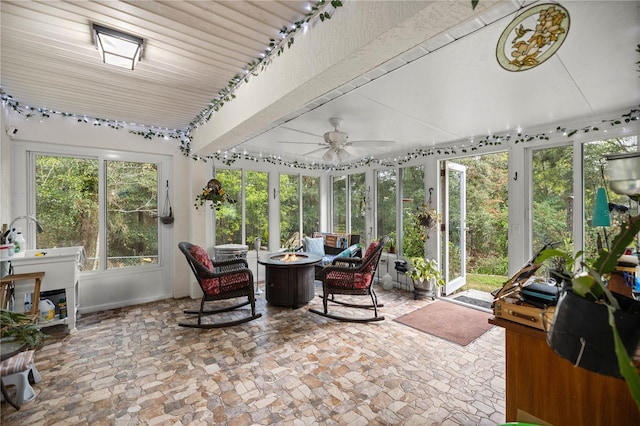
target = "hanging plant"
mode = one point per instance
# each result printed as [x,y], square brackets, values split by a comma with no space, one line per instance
[427,217]
[213,192]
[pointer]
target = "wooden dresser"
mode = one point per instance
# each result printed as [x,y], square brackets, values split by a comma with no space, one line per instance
[542,384]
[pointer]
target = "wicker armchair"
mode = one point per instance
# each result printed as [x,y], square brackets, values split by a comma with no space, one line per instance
[222,280]
[352,276]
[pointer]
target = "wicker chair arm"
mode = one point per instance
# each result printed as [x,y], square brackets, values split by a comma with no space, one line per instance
[239,262]
[351,262]
[223,268]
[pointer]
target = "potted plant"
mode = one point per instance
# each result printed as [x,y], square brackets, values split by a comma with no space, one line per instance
[593,327]
[426,277]
[20,327]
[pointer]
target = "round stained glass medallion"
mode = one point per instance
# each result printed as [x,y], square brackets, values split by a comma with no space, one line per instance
[532,37]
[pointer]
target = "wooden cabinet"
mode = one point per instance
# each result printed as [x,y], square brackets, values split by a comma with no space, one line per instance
[544,385]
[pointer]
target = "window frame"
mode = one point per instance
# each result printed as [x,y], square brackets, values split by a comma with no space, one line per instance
[26,152]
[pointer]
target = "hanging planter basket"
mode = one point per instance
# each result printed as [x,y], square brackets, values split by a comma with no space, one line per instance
[167,212]
[580,332]
[427,221]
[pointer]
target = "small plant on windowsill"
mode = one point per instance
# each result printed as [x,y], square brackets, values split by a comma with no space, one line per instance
[213,192]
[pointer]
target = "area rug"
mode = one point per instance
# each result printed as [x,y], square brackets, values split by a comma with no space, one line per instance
[449,321]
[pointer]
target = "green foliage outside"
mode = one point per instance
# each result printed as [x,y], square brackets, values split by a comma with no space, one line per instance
[310,204]
[289,208]
[67,204]
[413,200]
[339,185]
[386,204]
[256,192]
[357,191]
[132,208]
[485,282]
[487,214]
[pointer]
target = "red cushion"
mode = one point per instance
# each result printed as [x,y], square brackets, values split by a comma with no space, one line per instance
[210,286]
[362,280]
[371,248]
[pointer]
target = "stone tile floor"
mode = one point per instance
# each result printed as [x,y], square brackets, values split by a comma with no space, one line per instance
[135,365]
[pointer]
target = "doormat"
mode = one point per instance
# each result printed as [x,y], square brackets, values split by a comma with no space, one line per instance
[449,321]
[473,301]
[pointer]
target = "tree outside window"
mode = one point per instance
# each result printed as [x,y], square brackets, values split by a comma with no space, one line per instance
[67,204]
[386,203]
[289,211]
[358,210]
[339,185]
[256,193]
[229,216]
[413,198]
[310,205]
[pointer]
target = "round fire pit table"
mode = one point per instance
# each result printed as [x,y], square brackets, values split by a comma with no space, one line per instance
[289,278]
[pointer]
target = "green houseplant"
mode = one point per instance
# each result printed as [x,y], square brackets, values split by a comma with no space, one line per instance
[426,277]
[616,317]
[20,327]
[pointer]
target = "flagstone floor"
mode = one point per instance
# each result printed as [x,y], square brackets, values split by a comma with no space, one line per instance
[135,365]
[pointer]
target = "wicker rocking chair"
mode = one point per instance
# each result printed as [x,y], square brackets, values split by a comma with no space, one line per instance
[222,280]
[352,276]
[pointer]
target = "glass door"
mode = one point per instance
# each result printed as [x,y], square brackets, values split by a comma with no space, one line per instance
[455,222]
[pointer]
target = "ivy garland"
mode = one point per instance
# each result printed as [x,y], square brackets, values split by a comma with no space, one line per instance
[275,48]
[228,158]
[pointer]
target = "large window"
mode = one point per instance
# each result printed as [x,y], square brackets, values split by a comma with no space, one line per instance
[290,211]
[249,190]
[256,190]
[310,205]
[386,204]
[357,203]
[132,207]
[229,216]
[413,197]
[339,192]
[298,194]
[552,208]
[595,176]
[349,204]
[68,205]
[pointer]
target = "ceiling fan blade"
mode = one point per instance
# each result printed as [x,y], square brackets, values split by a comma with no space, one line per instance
[304,143]
[301,131]
[371,142]
[314,151]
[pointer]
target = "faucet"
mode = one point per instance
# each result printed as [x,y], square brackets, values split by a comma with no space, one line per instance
[39,227]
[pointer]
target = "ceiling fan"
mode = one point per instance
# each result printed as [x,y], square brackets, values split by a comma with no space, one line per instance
[335,143]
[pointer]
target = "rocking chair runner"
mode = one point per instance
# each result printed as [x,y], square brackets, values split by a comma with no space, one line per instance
[352,276]
[222,280]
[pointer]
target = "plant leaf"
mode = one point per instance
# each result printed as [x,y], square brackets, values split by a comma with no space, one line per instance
[608,260]
[627,369]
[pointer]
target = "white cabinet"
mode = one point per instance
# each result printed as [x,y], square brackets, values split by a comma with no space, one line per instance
[61,267]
